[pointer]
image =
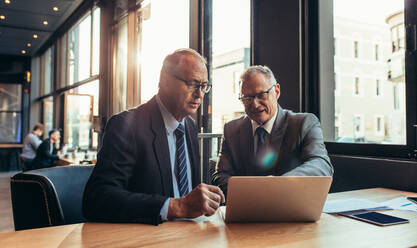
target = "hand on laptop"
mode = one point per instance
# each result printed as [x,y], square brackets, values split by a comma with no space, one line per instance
[202,200]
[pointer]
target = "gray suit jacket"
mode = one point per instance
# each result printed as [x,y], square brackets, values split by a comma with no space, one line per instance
[296,139]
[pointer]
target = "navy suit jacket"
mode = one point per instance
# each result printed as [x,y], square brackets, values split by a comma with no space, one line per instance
[132,177]
[44,157]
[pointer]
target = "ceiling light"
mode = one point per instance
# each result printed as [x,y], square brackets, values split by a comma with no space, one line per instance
[55,8]
[2,17]
[35,36]
[45,23]
[28,44]
[23,51]
[7,1]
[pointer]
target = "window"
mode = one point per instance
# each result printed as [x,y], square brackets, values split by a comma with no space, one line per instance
[397,32]
[355,49]
[79,47]
[120,63]
[396,97]
[48,114]
[369,31]
[77,69]
[356,87]
[376,52]
[336,85]
[378,88]
[77,121]
[47,72]
[96,42]
[172,20]
[10,113]
[230,57]
[358,128]
[379,125]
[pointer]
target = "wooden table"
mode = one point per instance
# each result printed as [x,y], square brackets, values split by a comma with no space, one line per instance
[329,231]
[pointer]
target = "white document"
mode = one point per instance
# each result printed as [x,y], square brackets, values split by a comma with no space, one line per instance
[351,204]
[401,203]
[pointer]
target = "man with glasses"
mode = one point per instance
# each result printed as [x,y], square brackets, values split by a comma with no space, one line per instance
[148,168]
[270,140]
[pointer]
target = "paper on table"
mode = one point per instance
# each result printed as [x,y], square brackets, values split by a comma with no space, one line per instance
[401,203]
[338,206]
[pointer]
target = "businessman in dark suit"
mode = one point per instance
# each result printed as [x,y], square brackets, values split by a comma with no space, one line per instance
[270,140]
[148,166]
[47,151]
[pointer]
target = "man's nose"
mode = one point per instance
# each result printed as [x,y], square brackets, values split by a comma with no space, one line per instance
[198,92]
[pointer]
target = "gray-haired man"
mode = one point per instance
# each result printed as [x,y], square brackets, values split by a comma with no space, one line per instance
[270,140]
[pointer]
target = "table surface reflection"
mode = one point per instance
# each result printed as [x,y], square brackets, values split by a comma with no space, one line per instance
[329,231]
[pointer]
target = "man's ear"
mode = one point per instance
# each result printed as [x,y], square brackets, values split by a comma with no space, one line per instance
[277,90]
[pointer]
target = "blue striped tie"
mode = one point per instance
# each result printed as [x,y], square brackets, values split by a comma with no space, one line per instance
[181,162]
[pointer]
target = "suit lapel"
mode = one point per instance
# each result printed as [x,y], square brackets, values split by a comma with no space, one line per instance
[160,147]
[193,152]
[246,146]
[278,131]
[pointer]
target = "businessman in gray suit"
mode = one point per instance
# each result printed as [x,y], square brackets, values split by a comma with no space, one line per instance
[270,140]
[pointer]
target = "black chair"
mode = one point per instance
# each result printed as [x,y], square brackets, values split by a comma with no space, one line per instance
[49,197]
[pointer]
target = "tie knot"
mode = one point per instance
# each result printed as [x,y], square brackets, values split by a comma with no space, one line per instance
[179,132]
[261,132]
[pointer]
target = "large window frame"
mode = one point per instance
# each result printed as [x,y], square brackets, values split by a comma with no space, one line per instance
[321,14]
[60,68]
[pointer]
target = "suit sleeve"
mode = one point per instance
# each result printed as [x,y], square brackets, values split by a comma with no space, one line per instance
[225,165]
[314,158]
[106,196]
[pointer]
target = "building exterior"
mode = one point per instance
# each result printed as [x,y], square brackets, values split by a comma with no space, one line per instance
[365,97]
[227,68]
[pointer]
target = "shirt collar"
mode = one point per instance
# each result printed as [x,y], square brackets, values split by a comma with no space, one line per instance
[267,126]
[170,122]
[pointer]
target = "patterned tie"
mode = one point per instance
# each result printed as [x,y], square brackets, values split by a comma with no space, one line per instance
[181,162]
[260,132]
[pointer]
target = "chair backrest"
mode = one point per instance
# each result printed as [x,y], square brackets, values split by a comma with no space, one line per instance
[49,197]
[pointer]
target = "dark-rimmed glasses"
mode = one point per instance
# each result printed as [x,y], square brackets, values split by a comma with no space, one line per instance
[194,85]
[261,96]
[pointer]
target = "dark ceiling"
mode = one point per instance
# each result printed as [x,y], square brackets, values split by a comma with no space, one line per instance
[24,18]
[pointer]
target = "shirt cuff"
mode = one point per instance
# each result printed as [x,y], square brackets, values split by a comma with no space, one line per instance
[164,210]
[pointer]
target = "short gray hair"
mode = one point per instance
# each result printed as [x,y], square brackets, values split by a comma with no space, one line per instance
[253,70]
[172,60]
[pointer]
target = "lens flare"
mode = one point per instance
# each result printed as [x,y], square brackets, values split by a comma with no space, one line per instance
[267,159]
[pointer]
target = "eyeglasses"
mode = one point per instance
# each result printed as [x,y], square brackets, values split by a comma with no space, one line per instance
[261,96]
[194,85]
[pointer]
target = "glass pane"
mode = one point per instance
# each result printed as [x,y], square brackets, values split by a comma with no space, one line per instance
[10,127]
[96,41]
[78,121]
[231,55]
[120,72]
[48,72]
[92,90]
[48,114]
[171,19]
[369,63]
[79,51]
[63,61]
[11,97]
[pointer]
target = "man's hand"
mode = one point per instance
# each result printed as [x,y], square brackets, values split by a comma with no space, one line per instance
[203,199]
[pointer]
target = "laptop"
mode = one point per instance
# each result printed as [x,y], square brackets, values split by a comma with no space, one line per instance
[276,199]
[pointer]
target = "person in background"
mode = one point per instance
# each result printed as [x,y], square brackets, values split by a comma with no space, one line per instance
[30,144]
[47,152]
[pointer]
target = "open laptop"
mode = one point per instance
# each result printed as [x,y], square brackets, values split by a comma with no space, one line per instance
[276,199]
